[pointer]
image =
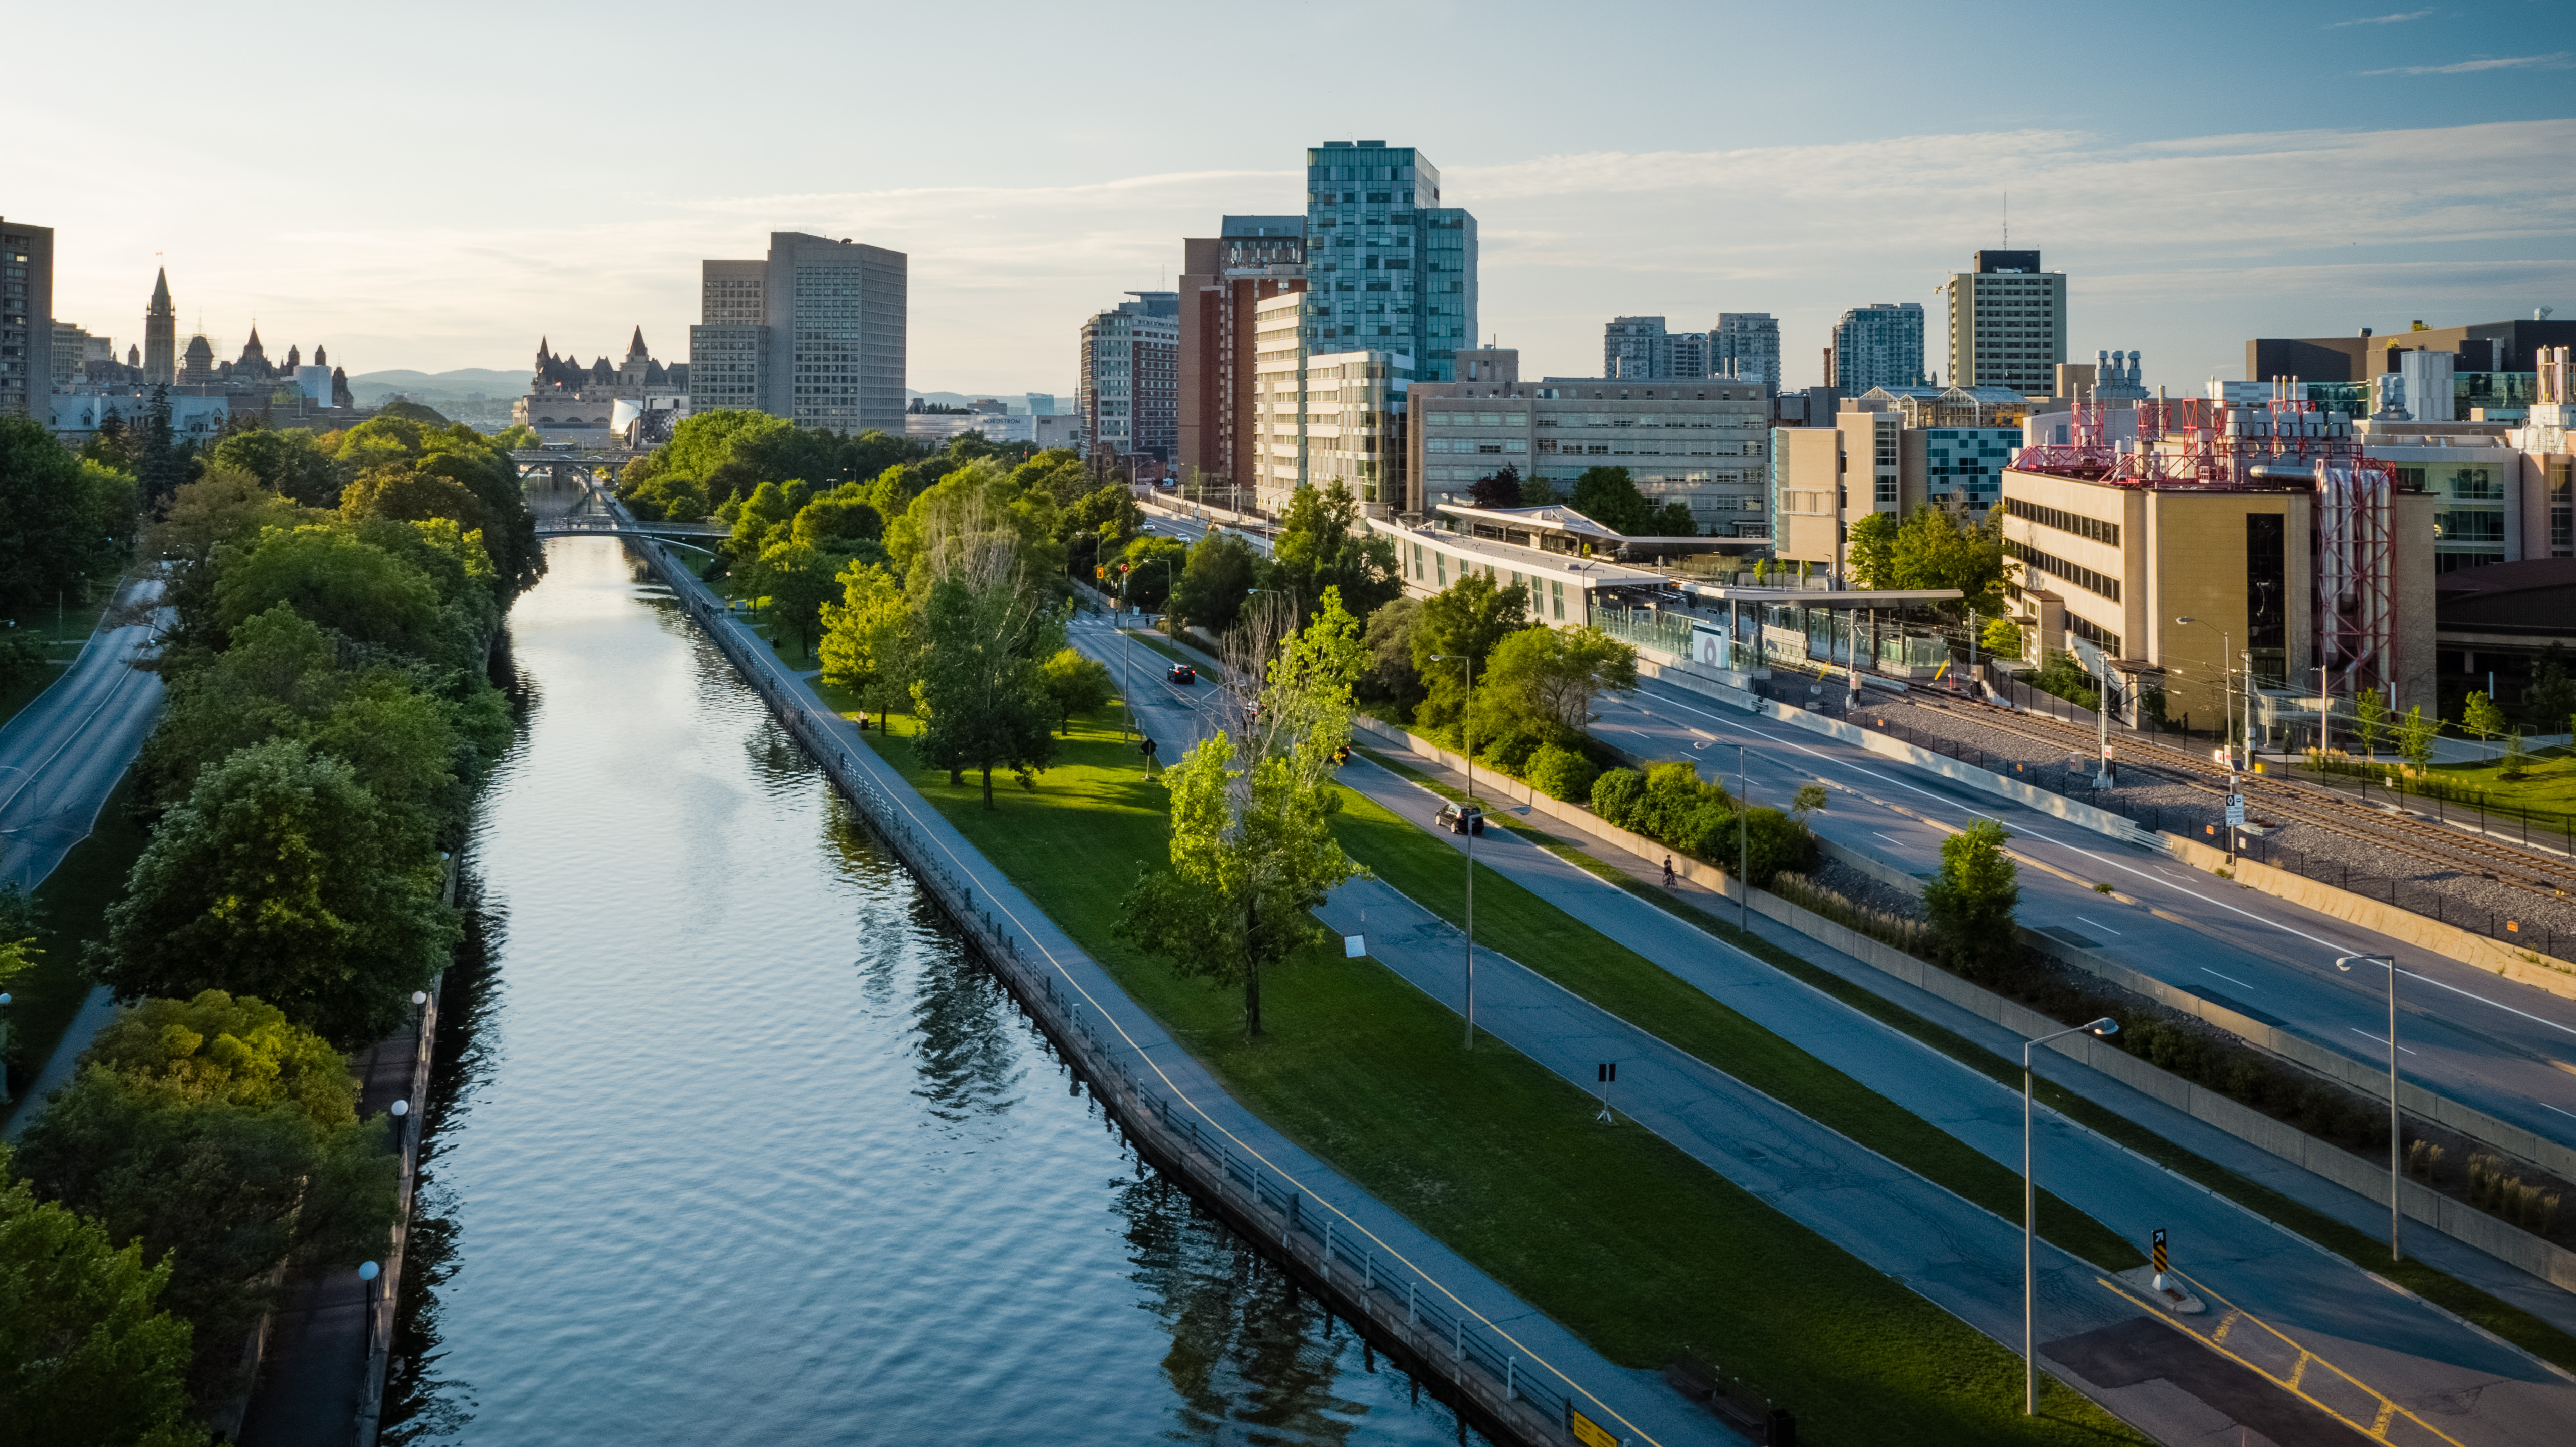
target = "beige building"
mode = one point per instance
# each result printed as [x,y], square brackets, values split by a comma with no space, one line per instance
[1278,400]
[2007,323]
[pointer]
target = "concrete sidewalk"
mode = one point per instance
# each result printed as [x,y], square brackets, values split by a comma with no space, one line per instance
[1653,1410]
[2472,1386]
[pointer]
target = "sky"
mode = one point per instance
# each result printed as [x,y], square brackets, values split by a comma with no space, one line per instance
[439,187]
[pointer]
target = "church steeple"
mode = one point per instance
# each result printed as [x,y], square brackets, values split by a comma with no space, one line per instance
[161,289]
[161,333]
[635,349]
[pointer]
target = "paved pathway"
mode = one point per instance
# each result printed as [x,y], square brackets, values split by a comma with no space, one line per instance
[1658,1414]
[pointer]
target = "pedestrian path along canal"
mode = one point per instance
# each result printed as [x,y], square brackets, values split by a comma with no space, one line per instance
[733,1141]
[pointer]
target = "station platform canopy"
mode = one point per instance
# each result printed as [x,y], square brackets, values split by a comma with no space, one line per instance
[1823,597]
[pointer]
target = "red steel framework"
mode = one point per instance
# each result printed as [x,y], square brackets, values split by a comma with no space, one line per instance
[2283,445]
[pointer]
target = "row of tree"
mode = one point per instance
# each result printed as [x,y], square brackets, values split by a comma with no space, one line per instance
[329,715]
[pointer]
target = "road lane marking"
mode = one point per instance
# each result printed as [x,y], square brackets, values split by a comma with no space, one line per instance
[2231,979]
[2374,1039]
[2097,924]
[1890,838]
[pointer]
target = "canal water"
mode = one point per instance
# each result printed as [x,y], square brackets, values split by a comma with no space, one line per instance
[732,1140]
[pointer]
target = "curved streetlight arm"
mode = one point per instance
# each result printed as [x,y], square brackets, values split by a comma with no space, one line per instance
[2030,1217]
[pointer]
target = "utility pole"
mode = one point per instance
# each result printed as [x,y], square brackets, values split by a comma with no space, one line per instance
[1475,818]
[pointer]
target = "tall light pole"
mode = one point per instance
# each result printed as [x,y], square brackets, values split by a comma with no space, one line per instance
[2030,1221]
[1469,725]
[2226,694]
[1743,844]
[2396,1216]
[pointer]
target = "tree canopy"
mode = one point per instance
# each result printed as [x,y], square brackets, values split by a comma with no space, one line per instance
[64,520]
[1608,497]
[1457,627]
[1323,545]
[89,1357]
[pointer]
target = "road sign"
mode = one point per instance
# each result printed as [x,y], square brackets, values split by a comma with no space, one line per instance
[1586,1431]
[1606,1073]
[2161,1262]
[2235,810]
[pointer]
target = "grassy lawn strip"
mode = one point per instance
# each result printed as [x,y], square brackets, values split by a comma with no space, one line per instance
[1614,1233]
[74,899]
[1539,935]
[2506,1320]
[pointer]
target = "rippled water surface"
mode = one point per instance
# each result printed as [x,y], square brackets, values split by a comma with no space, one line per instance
[733,1142]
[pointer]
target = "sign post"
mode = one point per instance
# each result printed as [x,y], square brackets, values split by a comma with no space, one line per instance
[1607,1075]
[2161,1261]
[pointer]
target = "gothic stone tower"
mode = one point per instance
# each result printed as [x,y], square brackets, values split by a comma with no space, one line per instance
[161,335]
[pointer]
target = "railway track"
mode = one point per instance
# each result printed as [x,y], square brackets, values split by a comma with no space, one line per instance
[2426,843]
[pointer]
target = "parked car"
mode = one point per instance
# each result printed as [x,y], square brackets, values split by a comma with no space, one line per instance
[1183,673]
[1462,819]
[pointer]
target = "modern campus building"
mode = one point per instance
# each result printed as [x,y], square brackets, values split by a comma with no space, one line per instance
[1891,450]
[1223,277]
[1388,268]
[1702,442]
[2492,368]
[1129,397]
[1878,345]
[815,333]
[2007,323]
[26,318]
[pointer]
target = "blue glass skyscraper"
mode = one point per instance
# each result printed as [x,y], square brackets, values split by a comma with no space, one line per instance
[1388,268]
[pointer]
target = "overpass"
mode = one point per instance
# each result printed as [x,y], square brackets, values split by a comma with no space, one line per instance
[570,523]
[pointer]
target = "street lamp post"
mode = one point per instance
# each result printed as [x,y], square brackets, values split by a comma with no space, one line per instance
[1470,726]
[2396,1216]
[2030,1220]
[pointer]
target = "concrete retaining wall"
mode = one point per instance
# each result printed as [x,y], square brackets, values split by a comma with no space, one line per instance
[2455,1219]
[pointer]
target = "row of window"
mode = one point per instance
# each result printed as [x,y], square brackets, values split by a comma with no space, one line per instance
[1553,588]
[2064,521]
[2101,585]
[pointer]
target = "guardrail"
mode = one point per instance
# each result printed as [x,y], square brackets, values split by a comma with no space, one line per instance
[1469,1360]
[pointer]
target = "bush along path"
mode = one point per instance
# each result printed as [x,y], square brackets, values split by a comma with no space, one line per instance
[2473,1386]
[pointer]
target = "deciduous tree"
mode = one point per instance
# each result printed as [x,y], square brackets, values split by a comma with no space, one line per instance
[1971,901]
[88,1355]
[1076,684]
[1464,620]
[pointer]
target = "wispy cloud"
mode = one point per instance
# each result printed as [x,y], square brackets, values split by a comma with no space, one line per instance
[2397,19]
[2554,60]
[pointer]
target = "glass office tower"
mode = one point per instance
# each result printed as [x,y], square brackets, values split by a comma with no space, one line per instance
[1388,268]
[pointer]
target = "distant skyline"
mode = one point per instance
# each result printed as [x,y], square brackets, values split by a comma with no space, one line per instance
[2200,176]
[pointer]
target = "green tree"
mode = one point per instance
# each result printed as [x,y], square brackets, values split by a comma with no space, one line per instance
[2517,758]
[281,877]
[2551,701]
[1076,685]
[2480,716]
[869,645]
[1872,551]
[331,578]
[982,688]
[1252,851]
[1464,620]
[1550,676]
[1391,677]
[1933,550]
[797,579]
[764,517]
[2415,738]
[836,522]
[1059,473]
[398,490]
[2002,638]
[1673,520]
[1154,564]
[2370,711]
[1970,902]
[162,462]
[291,463]
[1322,544]
[1608,497]
[1214,582]
[88,1356]
[64,521]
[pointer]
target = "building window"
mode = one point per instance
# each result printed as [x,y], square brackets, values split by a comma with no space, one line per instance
[2266,601]
[1556,597]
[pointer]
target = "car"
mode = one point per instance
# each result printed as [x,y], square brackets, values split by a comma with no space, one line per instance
[1462,819]
[1183,673]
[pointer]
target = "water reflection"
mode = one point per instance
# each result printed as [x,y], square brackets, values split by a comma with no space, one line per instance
[731,1141]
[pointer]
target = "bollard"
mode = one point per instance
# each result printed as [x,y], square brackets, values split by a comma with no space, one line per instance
[1408,1303]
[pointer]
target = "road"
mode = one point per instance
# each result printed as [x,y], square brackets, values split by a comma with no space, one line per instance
[2506,1049]
[60,758]
[1191,529]
[1954,1253]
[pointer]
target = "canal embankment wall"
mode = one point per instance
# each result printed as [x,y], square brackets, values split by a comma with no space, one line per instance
[1401,1294]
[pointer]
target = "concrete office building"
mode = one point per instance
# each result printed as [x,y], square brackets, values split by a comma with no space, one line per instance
[815,333]
[2267,524]
[1745,347]
[1129,393]
[1701,442]
[1891,450]
[1388,268]
[26,319]
[2007,323]
[1878,345]
[2483,347]
[1223,277]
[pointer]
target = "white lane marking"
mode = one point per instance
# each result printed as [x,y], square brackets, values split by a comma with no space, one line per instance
[2570,1114]
[2119,863]
[1890,838]
[2097,924]
[2231,979]
[2374,1039]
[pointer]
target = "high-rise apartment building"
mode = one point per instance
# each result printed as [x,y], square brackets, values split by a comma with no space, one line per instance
[1129,400]
[26,318]
[1388,268]
[1636,349]
[1279,399]
[160,334]
[1354,424]
[1745,347]
[814,333]
[1223,277]
[2007,323]
[1878,345]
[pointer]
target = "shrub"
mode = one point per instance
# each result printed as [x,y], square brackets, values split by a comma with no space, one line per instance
[1615,796]
[1561,774]
[1971,903]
